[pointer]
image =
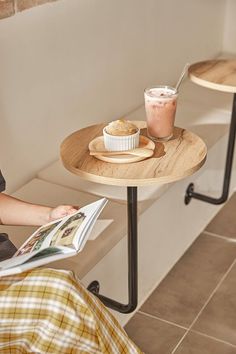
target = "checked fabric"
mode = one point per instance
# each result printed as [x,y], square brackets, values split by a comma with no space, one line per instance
[49,311]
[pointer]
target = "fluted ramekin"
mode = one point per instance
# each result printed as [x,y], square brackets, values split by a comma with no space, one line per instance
[121,142]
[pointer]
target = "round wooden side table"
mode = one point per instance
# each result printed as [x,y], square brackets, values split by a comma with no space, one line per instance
[180,157]
[217,75]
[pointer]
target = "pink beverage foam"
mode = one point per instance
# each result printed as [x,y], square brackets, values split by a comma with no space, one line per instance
[160,105]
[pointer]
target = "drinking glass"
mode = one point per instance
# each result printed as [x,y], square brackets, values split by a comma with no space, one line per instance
[160,105]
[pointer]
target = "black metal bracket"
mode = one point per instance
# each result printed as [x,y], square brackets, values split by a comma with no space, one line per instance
[228,167]
[94,287]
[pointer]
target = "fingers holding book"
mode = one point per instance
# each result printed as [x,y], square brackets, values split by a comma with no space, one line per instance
[61,211]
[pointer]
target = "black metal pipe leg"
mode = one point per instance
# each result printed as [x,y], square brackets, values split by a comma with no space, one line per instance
[228,168]
[132,260]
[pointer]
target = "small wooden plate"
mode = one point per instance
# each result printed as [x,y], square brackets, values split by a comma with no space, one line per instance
[97,144]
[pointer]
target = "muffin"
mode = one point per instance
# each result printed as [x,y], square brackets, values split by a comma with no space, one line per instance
[121,135]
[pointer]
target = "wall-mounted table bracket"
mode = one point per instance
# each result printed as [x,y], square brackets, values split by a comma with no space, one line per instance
[228,168]
[94,287]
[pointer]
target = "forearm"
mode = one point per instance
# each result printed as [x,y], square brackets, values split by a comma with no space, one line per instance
[17,212]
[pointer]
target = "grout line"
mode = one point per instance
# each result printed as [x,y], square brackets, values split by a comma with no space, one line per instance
[219,236]
[161,319]
[204,306]
[211,337]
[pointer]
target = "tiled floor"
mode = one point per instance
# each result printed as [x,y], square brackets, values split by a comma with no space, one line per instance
[193,310]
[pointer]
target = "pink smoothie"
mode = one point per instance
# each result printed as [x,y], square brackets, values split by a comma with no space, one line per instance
[160,105]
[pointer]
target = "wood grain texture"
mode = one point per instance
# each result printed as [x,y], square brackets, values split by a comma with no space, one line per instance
[215,74]
[180,157]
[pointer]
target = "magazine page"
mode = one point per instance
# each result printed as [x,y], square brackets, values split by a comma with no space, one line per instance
[92,211]
[40,258]
[80,240]
[39,254]
[64,235]
[72,231]
[33,245]
[38,240]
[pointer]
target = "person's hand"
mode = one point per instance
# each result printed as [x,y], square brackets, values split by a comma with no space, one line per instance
[61,211]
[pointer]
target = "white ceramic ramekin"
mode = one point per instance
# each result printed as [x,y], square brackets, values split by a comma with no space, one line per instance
[121,142]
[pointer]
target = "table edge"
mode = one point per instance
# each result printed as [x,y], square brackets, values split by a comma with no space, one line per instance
[135,182]
[211,85]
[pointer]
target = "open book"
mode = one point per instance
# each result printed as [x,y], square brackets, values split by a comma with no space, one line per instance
[58,239]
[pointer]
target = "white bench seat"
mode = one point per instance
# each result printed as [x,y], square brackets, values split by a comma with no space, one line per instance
[56,173]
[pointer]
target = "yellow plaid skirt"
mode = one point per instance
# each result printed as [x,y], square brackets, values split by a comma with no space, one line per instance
[49,311]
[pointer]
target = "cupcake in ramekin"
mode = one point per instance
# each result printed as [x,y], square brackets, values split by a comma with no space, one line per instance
[121,135]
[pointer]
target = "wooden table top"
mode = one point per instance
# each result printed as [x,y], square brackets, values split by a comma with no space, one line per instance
[180,157]
[215,74]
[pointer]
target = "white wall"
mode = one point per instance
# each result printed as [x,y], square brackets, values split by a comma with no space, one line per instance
[72,63]
[229,40]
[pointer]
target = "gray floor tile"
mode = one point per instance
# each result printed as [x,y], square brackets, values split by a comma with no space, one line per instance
[152,335]
[224,223]
[218,319]
[184,291]
[195,343]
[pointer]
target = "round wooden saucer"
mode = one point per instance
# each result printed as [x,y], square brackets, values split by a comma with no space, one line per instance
[97,144]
